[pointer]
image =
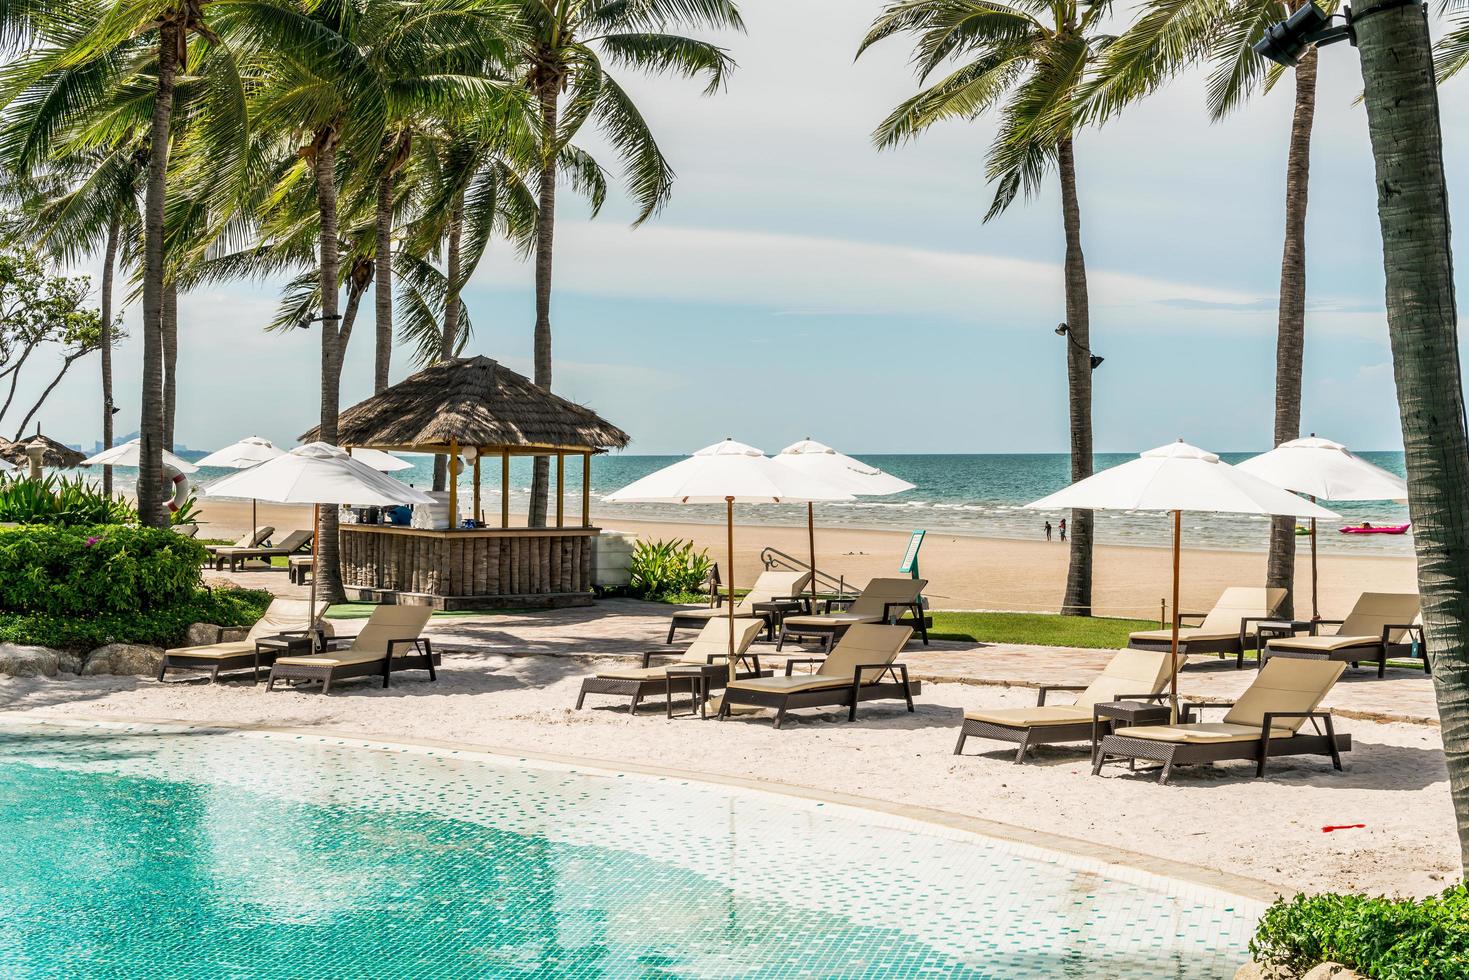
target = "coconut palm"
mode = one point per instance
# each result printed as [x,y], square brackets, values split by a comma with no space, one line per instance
[1170,37]
[570,47]
[1028,62]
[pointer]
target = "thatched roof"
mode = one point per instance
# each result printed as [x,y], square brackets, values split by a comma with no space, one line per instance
[56,457]
[477,402]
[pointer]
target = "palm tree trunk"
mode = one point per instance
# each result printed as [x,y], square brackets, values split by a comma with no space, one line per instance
[109,265]
[382,290]
[1290,336]
[1078,600]
[170,337]
[328,570]
[453,271]
[1412,208]
[150,421]
[540,483]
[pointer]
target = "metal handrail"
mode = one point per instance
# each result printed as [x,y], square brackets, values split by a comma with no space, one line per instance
[773,558]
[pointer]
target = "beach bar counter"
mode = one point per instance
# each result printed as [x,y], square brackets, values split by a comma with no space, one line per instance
[479,414]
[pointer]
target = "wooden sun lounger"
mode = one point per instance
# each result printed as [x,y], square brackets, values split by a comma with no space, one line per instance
[283,617]
[1264,722]
[884,600]
[250,539]
[1227,628]
[1143,671]
[859,668]
[289,545]
[1381,625]
[390,641]
[710,647]
[771,586]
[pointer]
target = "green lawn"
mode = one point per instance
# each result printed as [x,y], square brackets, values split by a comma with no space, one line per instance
[1042,629]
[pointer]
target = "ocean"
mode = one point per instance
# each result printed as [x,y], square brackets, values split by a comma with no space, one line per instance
[975,494]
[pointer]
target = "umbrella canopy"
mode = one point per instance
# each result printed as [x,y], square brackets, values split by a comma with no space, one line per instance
[728,472]
[826,464]
[5,467]
[1325,469]
[54,455]
[127,455]
[244,454]
[380,461]
[316,473]
[1180,477]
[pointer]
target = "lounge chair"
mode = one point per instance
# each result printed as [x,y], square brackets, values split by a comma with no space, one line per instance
[769,587]
[250,539]
[1264,722]
[1132,675]
[1227,628]
[859,668]
[884,600]
[710,647]
[391,640]
[283,617]
[186,530]
[289,545]
[1376,629]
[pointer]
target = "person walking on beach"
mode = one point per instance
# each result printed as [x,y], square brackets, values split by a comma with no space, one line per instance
[1063,530]
[1048,530]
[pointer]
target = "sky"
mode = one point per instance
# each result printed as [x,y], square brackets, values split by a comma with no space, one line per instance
[802,283]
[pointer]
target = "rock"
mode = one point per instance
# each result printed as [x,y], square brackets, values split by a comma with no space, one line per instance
[201,635]
[1250,971]
[327,629]
[28,661]
[1331,971]
[69,662]
[232,634]
[123,658]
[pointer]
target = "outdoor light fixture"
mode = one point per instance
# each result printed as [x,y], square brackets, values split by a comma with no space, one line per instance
[306,321]
[1097,361]
[1062,330]
[1286,42]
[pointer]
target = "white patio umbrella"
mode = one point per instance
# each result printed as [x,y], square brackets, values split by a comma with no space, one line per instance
[1179,477]
[852,475]
[730,473]
[249,451]
[316,474]
[126,454]
[380,461]
[1324,470]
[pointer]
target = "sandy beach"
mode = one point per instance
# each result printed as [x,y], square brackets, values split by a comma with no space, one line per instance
[971,572]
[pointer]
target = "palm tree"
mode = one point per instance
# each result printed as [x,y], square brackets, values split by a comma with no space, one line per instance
[1028,61]
[1169,38]
[1412,208]
[571,43]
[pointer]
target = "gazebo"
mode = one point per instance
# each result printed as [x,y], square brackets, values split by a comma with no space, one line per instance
[474,408]
[54,455]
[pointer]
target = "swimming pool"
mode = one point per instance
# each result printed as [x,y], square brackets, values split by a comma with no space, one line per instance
[141,851]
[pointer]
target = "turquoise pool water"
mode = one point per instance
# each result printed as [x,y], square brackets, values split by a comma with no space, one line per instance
[133,851]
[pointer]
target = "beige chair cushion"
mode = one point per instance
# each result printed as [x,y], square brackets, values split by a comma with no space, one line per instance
[215,651]
[1203,733]
[391,622]
[1040,717]
[828,619]
[340,659]
[881,591]
[1284,684]
[1374,610]
[1129,672]
[775,584]
[655,673]
[711,612]
[1187,634]
[1237,603]
[1325,644]
[713,640]
[285,615]
[791,685]
[864,643]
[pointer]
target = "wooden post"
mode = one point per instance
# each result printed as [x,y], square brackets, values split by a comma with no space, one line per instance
[505,488]
[478,516]
[560,489]
[586,489]
[453,484]
[1173,654]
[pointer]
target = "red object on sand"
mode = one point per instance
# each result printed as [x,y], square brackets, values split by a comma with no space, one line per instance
[1345,826]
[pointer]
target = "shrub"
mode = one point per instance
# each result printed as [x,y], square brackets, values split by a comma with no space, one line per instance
[1383,938]
[155,627]
[95,571]
[65,502]
[663,568]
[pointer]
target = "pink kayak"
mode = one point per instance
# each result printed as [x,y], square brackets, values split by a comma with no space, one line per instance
[1392,529]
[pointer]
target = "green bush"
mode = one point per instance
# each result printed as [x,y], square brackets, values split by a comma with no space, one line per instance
[64,502]
[155,627]
[1382,938]
[96,571]
[664,568]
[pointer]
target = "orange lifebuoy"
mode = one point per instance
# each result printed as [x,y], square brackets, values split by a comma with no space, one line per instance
[180,484]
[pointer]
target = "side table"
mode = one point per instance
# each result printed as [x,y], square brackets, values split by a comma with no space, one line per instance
[1125,714]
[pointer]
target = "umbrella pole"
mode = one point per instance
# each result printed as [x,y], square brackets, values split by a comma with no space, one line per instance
[1315,610]
[811,540]
[730,600]
[254,520]
[315,550]
[1173,652]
